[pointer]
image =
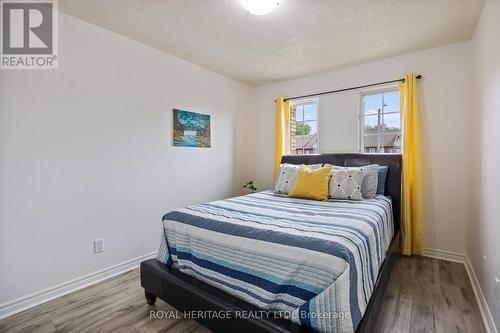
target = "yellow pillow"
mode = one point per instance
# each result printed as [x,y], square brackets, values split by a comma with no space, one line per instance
[311,184]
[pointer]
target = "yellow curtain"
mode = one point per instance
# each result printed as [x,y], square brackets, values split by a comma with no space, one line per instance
[282,131]
[412,201]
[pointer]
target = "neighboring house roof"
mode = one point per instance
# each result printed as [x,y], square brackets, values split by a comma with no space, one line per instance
[386,140]
[309,141]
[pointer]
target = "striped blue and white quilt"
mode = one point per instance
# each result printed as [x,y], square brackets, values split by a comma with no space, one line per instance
[315,263]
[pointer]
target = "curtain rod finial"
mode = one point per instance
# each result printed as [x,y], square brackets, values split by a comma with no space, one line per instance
[419,77]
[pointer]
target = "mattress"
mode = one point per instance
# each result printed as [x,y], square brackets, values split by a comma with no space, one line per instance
[315,263]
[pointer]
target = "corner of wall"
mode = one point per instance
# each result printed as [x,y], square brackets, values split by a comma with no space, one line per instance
[483,232]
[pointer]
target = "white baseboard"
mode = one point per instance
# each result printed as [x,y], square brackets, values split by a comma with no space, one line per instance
[12,307]
[445,255]
[481,300]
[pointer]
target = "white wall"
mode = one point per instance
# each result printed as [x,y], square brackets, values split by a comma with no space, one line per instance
[86,153]
[484,227]
[339,122]
[445,101]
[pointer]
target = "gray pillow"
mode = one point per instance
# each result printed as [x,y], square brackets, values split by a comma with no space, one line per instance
[287,173]
[370,179]
[346,184]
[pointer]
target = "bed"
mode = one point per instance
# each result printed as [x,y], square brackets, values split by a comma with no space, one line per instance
[286,264]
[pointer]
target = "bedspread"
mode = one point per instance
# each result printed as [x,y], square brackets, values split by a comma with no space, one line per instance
[315,262]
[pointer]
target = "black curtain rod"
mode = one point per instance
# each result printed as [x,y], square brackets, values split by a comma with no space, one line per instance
[347,89]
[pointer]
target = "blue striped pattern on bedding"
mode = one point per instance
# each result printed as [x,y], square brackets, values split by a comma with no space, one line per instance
[313,261]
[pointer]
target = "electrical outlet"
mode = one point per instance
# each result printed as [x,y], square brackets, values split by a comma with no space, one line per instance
[497,290]
[98,245]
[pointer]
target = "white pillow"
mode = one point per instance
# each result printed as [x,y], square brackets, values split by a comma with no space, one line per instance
[346,183]
[287,173]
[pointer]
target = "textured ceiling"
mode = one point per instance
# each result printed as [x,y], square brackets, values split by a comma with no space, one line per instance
[300,37]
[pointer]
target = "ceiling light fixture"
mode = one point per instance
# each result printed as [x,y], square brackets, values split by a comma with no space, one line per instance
[260,7]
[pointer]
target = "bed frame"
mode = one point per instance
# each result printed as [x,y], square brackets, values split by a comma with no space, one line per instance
[186,293]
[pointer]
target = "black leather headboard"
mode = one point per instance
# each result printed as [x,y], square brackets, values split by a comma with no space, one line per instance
[392,182]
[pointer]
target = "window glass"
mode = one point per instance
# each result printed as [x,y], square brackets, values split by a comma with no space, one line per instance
[381,123]
[304,129]
[372,103]
[299,113]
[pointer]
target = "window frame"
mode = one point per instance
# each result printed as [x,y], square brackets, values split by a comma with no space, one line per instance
[306,101]
[361,115]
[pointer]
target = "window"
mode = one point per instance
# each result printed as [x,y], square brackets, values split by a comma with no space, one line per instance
[304,128]
[381,122]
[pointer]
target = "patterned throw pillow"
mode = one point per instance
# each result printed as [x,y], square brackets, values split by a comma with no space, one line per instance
[286,176]
[370,179]
[346,183]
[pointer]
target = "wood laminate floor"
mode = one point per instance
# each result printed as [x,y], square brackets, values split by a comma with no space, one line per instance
[424,295]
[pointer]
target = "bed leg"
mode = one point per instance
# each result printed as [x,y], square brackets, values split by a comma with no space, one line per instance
[150,298]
